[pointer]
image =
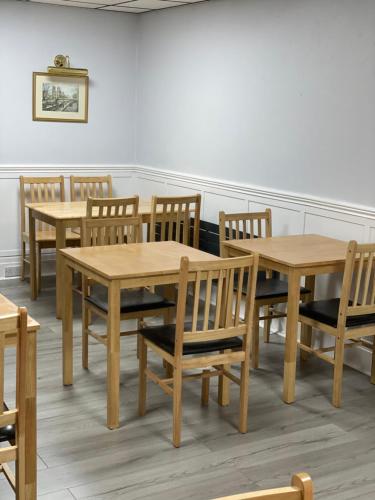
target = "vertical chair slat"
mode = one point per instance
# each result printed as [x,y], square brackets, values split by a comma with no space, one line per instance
[197,288]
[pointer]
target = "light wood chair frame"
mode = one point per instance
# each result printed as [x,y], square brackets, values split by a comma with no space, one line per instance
[174,214]
[84,187]
[23,416]
[227,323]
[249,225]
[40,190]
[301,489]
[111,231]
[358,286]
[112,207]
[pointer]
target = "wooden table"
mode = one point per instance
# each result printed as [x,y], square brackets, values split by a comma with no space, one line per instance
[63,216]
[118,267]
[296,256]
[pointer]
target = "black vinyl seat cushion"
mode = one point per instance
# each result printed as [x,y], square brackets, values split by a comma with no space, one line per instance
[133,300]
[327,311]
[270,288]
[164,337]
[7,433]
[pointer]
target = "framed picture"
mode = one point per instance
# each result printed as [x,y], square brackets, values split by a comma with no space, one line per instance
[60,98]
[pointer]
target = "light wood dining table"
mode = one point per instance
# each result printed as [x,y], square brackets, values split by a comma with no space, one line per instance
[295,256]
[62,216]
[118,267]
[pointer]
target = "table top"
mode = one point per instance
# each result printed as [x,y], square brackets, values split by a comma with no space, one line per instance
[8,308]
[302,250]
[75,209]
[135,259]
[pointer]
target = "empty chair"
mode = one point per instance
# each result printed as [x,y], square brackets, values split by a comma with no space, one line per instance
[300,489]
[41,190]
[102,208]
[18,424]
[271,290]
[212,336]
[82,188]
[348,318]
[136,303]
[175,218]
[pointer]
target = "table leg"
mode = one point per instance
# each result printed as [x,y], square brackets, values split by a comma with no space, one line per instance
[291,337]
[60,243]
[67,323]
[306,331]
[32,250]
[113,356]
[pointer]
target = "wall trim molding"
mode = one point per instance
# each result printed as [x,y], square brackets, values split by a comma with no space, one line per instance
[348,208]
[253,190]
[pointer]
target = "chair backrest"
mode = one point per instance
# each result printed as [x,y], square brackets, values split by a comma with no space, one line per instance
[110,231]
[112,207]
[40,190]
[171,218]
[217,299]
[301,489]
[82,188]
[23,416]
[245,225]
[358,286]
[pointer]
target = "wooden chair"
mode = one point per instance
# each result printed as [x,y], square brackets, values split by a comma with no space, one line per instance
[349,318]
[213,337]
[82,188]
[175,218]
[41,190]
[18,425]
[271,290]
[112,207]
[135,303]
[301,489]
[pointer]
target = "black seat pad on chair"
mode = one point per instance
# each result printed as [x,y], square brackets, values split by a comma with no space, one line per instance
[7,433]
[270,288]
[164,337]
[133,300]
[327,311]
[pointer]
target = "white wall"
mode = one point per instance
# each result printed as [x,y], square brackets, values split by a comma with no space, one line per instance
[105,43]
[275,93]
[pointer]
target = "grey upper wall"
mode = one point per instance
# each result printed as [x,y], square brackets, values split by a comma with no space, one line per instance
[276,93]
[105,43]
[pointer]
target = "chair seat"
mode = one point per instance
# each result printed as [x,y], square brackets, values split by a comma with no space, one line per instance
[134,300]
[164,337]
[50,235]
[8,433]
[274,287]
[270,288]
[327,311]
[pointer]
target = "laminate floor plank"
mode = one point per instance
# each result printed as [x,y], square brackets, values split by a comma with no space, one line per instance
[79,458]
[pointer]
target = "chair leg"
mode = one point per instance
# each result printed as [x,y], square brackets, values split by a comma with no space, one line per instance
[255,340]
[223,388]
[373,362]
[338,370]
[142,389]
[244,396]
[205,389]
[177,406]
[85,335]
[23,257]
[39,267]
[267,325]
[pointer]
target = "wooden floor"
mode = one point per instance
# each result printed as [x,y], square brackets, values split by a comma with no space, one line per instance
[79,458]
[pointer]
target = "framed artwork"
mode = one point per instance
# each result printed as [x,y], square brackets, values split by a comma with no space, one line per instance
[60,98]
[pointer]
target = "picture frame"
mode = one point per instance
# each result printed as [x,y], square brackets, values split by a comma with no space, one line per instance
[60,98]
